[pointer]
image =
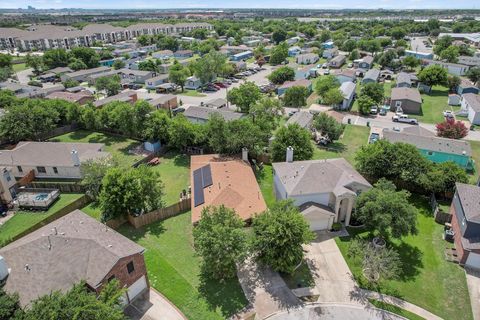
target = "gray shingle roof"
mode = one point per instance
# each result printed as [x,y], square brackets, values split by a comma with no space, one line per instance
[432,143]
[302,118]
[30,153]
[403,93]
[205,113]
[348,89]
[469,196]
[473,101]
[82,248]
[372,74]
[404,77]
[318,176]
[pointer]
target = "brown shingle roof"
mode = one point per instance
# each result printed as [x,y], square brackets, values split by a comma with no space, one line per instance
[403,93]
[234,186]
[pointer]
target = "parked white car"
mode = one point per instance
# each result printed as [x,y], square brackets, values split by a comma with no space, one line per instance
[404,119]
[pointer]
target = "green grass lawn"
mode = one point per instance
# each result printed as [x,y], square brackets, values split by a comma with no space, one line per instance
[191,93]
[433,105]
[427,279]
[353,138]
[174,270]
[394,309]
[19,67]
[300,278]
[475,145]
[118,146]
[22,220]
[174,171]
[265,181]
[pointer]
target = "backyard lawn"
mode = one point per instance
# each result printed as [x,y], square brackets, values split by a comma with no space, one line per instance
[191,93]
[265,181]
[23,220]
[19,67]
[427,279]
[434,104]
[119,147]
[174,270]
[353,138]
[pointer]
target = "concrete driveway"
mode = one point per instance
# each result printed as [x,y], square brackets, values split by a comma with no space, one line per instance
[153,306]
[473,283]
[265,290]
[333,280]
[335,312]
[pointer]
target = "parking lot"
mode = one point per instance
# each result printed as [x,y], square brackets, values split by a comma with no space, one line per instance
[421,44]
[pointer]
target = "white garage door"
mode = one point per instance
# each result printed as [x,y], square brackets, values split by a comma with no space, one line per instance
[318,223]
[473,261]
[136,288]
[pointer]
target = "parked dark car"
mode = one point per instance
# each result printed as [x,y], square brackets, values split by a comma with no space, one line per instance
[178,110]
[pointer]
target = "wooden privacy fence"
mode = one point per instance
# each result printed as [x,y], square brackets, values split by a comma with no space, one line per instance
[160,214]
[68,187]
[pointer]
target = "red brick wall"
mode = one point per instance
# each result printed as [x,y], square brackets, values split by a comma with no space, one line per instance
[462,254]
[121,273]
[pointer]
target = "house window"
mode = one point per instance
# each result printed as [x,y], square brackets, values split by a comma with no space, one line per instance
[398,104]
[430,153]
[130,267]
[19,168]
[41,170]
[55,170]
[7,177]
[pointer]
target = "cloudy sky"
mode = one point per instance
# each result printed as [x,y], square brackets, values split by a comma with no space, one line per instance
[317,4]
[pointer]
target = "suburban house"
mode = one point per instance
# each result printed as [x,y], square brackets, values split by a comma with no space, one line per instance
[324,190]
[136,76]
[217,103]
[303,118]
[466,224]
[165,101]
[227,181]
[348,91]
[292,40]
[452,68]
[408,99]
[71,249]
[129,96]
[242,56]
[92,79]
[303,73]
[338,61]
[418,54]
[470,106]
[47,77]
[183,54]
[469,61]
[330,53]
[202,114]
[435,149]
[328,44]
[454,99]
[82,97]
[154,82]
[366,63]
[7,185]
[163,54]
[294,51]
[406,80]
[466,86]
[82,75]
[307,58]
[297,83]
[346,75]
[372,75]
[51,159]
[193,83]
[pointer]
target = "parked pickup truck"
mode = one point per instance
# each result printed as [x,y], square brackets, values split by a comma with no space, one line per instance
[404,118]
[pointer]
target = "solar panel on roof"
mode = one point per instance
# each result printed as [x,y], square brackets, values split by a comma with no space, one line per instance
[198,196]
[207,176]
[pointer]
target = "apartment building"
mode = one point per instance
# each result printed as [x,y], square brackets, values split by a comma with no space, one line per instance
[44,37]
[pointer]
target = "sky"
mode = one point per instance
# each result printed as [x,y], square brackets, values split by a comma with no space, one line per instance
[305,4]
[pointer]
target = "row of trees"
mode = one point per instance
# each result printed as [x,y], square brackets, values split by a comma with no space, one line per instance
[276,241]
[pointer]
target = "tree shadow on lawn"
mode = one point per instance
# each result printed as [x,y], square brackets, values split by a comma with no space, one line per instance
[133,234]
[225,295]
[179,159]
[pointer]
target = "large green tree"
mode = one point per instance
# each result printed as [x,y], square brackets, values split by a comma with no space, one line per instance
[53,58]
[279,54]
[221,241]
[328,126]
[279,234]
[281,75]
[93,172]
[386,210]
[292,136]
[326,83]
[433,75]
[111,84]
[295,97]
[131,191]
[178,74]
[244,96]
[374,91]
